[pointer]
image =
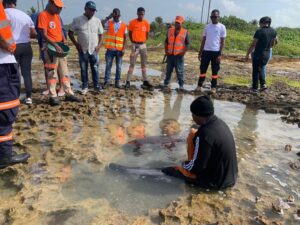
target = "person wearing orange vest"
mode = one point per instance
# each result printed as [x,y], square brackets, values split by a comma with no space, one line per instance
[176,45]
[114,42]
[138,33]
[9,94]
[50,24]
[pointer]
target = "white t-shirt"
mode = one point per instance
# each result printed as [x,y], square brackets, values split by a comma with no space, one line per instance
[88,31]
[20,24]
[6,57]
[213,34]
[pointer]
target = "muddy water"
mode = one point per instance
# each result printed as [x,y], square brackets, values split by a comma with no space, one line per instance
[67,179]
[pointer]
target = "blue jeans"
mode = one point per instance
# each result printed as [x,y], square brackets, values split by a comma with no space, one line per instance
[258,64]
[264,68]
[84,60]
[109,58]
[177,62]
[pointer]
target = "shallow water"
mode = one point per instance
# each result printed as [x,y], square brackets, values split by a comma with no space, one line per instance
[260,138]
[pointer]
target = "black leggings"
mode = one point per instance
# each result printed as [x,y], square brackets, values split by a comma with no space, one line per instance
[24,56]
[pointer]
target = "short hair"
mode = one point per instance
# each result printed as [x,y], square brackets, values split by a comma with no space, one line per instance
[116,10]
[141,9]
[9,2]
[215,11]
[265,20]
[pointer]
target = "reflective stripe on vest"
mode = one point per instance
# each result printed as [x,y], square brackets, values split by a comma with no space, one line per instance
[5,30]
[176,45]
[114,40]
[4,138]
[9,105]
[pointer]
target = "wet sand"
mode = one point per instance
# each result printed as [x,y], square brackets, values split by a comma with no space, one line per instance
[92,132]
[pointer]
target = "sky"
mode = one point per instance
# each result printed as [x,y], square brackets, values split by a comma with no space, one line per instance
[282,12]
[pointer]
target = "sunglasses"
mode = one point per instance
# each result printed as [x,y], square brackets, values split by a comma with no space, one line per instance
[214,17]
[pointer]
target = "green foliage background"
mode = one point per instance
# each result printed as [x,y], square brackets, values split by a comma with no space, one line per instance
[240,34]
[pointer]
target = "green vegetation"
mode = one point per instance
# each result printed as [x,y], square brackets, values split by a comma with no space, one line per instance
[240,34]
[246,80]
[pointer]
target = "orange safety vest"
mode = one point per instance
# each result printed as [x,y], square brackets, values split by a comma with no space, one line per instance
[5,30]
[114,40]
[176,45]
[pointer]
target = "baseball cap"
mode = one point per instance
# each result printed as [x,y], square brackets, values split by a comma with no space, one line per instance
[90,5]
[58,3]
[179,19]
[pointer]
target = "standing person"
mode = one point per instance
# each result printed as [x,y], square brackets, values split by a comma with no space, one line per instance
[176,45]
[23,29]
[211,50]
[41,42]
[138,33]
[89,30]
[114,42]
[49,23]
[9,94]
[263,40]
[212,161]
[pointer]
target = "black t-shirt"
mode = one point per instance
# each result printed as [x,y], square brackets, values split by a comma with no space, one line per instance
[264,38]
[215,161]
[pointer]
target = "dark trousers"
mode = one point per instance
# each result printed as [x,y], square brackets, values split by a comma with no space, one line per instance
[9,91]
[23,56]
[177,62]
[258,69]
[206,58]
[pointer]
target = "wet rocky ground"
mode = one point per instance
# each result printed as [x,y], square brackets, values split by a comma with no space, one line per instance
[59,137]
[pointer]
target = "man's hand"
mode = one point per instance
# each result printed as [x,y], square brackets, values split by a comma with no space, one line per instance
[97,49]
[247,58]
[123,53]
[58,49]
[219,58]
[78,47]
[199,56]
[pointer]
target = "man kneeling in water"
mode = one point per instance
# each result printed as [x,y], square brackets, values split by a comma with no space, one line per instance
[212,161]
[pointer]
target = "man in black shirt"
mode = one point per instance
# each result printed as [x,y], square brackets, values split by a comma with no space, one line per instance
[264,39]
[212,161]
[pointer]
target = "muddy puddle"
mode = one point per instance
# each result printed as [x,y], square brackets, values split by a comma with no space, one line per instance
[67,180]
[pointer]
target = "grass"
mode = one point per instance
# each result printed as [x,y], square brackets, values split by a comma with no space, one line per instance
[242,80]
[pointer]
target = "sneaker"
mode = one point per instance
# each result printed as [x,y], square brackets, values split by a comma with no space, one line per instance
[84,91]
[146,85]
[181,88]
[28,101]
[105,85]
[98,89]
[254,91]
[14,159]
[54,101]
[72,98]
[127,84]
[117,84]
[263,87]
[199,89]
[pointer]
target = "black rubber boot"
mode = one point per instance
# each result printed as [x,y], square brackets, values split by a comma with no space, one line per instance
[54,101]
[14,159]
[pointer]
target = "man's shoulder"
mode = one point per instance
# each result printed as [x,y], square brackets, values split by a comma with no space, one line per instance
[78,18]
[96,19]
[133,21]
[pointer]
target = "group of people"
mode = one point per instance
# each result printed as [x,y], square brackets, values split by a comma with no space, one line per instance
[211,149]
